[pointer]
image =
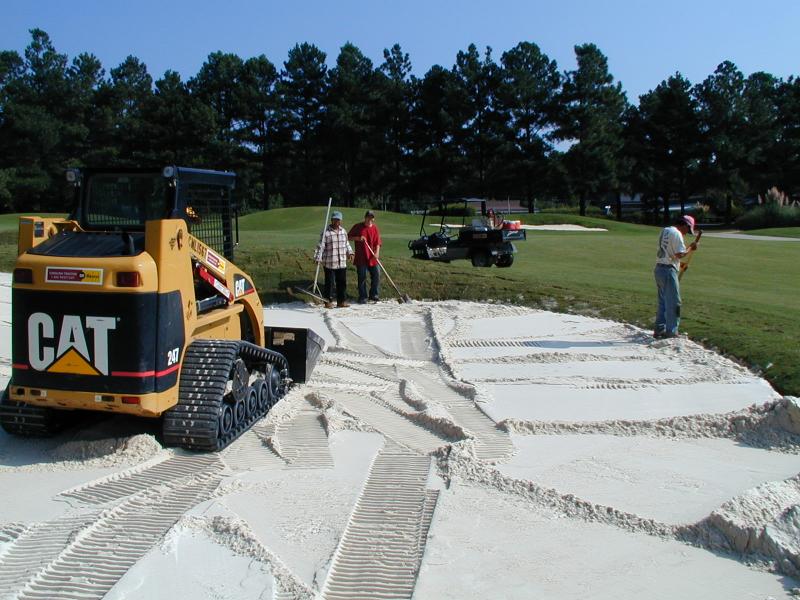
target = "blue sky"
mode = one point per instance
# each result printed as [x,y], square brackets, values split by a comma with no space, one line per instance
[645,41]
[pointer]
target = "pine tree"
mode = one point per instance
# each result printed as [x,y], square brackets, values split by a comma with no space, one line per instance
[528,95]
[591,116]
[302,88]
[393,123]
[669,142]
[723,122]
[350,132]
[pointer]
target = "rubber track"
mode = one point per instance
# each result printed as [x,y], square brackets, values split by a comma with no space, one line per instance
[19,418]
[192,423]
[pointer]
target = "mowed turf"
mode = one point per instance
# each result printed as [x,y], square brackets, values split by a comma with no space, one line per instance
[792,232]
[741,297]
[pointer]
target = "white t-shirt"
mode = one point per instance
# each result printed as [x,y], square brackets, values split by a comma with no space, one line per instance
[669,244]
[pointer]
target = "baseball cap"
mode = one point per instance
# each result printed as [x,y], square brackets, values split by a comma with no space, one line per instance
[369,213]
[336,215]
[689,220]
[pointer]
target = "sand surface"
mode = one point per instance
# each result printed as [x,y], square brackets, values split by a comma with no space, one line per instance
[440,450]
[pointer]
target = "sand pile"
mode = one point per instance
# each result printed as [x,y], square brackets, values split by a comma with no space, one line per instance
[764,522]
[108,452]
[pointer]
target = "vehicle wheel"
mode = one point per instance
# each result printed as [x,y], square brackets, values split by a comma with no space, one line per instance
[273,384]
[262,395]
[480,258]
[239,412]
[506,260]
[239,379]
[225,419]
[251,402]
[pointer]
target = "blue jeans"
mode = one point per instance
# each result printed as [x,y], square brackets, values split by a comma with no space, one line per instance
[668,315]
[375,279]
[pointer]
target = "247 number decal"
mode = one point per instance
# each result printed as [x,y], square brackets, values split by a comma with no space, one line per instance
[172,356]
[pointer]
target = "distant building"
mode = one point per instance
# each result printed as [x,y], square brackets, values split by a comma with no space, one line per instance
[505,207]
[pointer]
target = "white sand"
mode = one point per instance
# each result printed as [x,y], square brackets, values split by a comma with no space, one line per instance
[563,402]
[190,565]
[497,451]
[674,481]
[517,552]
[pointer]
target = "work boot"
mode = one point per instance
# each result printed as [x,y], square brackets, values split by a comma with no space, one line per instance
[374,299]
[343,304]
[328,304]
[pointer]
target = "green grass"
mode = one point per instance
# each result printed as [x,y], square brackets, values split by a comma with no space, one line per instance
[10,222]
[790,232]
[742,298]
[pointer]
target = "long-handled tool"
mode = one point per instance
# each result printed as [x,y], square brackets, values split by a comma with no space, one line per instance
[314,292]
[685,264]
[401,296]
[315,289]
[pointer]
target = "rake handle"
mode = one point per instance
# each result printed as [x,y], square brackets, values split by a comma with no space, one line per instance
[380,264]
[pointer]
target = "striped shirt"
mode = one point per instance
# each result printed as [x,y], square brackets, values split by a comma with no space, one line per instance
[334,248]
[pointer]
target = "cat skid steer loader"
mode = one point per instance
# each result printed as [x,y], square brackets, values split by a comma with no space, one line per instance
[133,305]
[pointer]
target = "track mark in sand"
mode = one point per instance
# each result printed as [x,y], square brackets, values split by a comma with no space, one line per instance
[341,369]
[382,547]
[537,358]
[491,442]
[34,548]
[349,357]
[131,482]
[584,339]
[352,341]
[250,453]
[389,422]
[416,341]
[338,385]
[431,498]
[303,442]
[466,343]
[103,552]
[11,531]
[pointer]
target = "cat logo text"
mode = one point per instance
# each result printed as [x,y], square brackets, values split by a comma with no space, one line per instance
[79,345]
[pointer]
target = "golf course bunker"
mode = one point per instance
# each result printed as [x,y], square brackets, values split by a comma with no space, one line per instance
[439,450]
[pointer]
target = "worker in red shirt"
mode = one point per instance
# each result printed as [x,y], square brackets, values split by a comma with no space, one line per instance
[368,248]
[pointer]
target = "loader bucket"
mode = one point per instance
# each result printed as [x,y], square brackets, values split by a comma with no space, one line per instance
[300,346]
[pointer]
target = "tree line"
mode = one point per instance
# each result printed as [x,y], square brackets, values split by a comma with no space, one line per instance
[512,127]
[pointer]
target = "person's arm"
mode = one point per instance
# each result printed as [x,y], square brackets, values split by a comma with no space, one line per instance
[353,234]
[692,247]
